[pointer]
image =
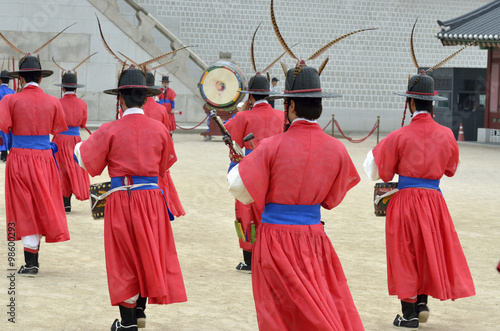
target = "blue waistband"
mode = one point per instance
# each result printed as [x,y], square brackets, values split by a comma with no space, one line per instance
[118,181]
[31,142]
[407,182]
[72,131]
[276,213]
[162,101]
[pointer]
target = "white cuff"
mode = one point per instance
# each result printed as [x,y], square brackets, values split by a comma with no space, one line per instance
[370,166]
[236,186]
[78,155]
[31,241]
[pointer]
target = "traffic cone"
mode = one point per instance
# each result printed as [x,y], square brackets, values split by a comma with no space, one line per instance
[461,133]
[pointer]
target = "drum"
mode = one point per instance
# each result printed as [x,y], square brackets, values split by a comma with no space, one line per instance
[221,83]
[96,205]
[382,195]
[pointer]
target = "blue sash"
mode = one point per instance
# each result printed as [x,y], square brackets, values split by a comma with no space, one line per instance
[72,131]
[31,142]
[172,102]
[248,151]
[118,181]
[35,142]
[275,213]
[408,182]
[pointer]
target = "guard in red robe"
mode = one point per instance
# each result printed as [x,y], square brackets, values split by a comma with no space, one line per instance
[424,255]
[74,179]
[141,258]
[33,196]
[167,99]
[263,121]
[297,278]
[154,110]
[4,138]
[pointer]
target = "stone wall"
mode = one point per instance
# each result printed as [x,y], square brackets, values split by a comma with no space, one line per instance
[366,68]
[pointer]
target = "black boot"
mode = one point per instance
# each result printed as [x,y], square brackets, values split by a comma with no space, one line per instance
[129,320]
[30,269]
[247,265]
[67,204]
[409,320]
[422,309]
[139,313]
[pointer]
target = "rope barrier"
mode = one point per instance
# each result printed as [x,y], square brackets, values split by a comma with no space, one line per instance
[349,138]
[357,140]
[194,127]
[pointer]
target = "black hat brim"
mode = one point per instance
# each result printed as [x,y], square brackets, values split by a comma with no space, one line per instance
[150,92]
[304,95]
[257,92]
[422,97]
[15,74]
[70,85]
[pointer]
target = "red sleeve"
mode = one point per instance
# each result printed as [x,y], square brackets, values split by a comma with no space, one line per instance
[170,156]
[452,165]
[94,151]
[386,157]
[84,114]
[5,117]
[255,171]
[236,128]
[58,121]
[347,178]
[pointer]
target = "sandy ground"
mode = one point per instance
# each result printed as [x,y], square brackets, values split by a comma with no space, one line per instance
[70,291]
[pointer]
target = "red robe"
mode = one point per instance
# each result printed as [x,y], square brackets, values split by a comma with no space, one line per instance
[166,98]
[154,110]
[33,197]
[263,121]
[74,179]
[424,255]
[139,245]
[298,281]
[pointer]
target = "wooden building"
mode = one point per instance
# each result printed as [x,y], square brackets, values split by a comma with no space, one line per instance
[481,28]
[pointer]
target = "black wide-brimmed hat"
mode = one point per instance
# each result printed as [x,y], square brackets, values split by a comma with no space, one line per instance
[303,81]
[3,74]
[133,78]
[258,84]
[421,87]
[29,63]
[69,80]
[305,84]
[165,79]
[150,81]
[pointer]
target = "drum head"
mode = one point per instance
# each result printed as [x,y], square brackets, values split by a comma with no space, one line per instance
[221,84]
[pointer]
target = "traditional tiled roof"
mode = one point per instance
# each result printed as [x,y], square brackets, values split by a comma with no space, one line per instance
[480,27]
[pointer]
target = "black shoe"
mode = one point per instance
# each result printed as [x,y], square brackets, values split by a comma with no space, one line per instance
[423,312]
[244,267]
[141,318]
[67,204]
[402,323]
[117,326]
[28,271]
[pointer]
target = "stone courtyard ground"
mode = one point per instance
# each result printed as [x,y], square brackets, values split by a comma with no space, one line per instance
[70,292]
